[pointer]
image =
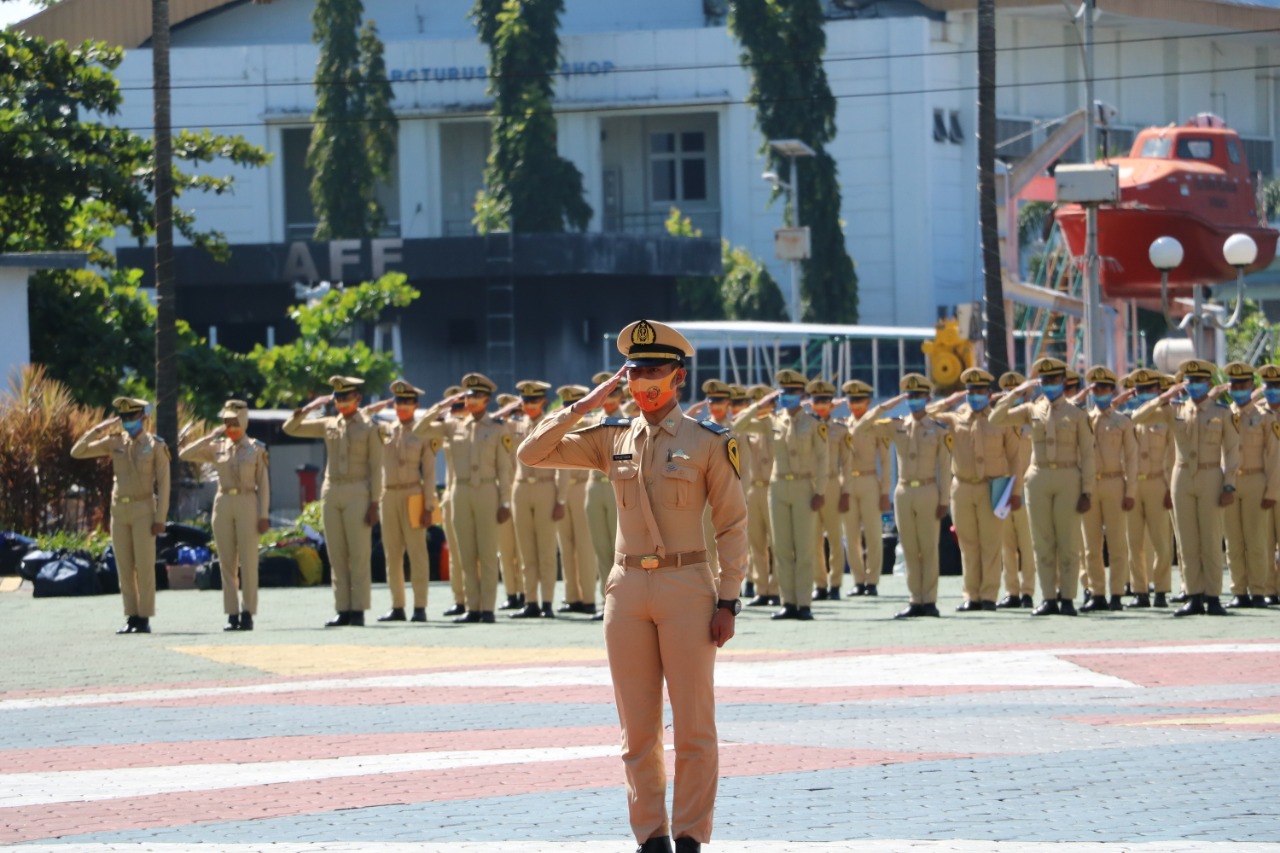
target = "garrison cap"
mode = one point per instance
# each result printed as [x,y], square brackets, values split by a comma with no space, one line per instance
[126,406]
[1196,367]
[234,409]
[914,383]
[821,388]
[478,385]
[1012,379]
[345,384]
[533,388]
[759,392]
[572,393]
[404,388]
[1238,371]
[977,376]
[648,343]
[1100,374]
[788,378]
[715,388]
[1048,368]
[1269,373]
[857,388]
[507,399]
[737,392]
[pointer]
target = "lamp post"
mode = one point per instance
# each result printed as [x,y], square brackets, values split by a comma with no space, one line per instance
[1239,250]
[793,149]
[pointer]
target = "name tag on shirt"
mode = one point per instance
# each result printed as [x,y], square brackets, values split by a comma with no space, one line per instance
[621,457]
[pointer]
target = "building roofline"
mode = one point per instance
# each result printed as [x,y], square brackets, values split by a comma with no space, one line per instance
[121,22]
[1227,14]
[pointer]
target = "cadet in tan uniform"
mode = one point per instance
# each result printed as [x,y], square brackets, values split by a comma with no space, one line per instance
[538,510]
[868,483]
[241,508]
[352,489]
[1270,376]
[1059,481]
[1246,520]
[666,613]
[1017,554]
[981,453]
[796,489]
[508,550]
[602,508]
[139,503]
[829,563]
[577,554]
[923,447]
[1115,453]
[714,407]
[457,411]
[1204,480]
[1149,522]
[757,454]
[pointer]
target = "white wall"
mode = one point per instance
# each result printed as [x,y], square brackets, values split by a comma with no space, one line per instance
[15,333]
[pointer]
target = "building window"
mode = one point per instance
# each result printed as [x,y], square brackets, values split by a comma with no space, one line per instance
[1259,154]
[678,166]
[939,126]
[300,214]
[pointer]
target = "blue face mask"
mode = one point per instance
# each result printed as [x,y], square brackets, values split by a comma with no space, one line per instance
[789,401]
[132,427]
[917,404]
[1103,401]
[977,402]
[1051,392]
[1272,396]
[1241,395]
[1198,390]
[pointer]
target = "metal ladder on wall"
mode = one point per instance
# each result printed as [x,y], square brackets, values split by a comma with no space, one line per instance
[1053,331]
[500,309]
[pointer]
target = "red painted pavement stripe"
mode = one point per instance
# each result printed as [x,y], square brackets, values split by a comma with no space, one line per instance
[1185,670]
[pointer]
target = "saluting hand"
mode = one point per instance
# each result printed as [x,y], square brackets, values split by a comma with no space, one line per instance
[596,398]
[955,399]
[378,406]
[1123,397]
[1218,390]
[109,422]
[1025,387]
[696,407]
[317,403]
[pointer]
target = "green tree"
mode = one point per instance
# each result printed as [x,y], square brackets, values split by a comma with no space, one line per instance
[783,44]
[353,142]
[744,290]
[529,187]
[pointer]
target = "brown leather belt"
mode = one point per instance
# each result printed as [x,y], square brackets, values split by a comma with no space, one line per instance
[1244,472]
[1109,475]
[1150,476]
[1206,466]
[653,561]
[395,487]
[862,473]
[915,483]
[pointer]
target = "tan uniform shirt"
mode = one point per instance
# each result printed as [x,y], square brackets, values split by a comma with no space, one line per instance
[839,452]
[242,466]
[1204,434]
[1116,448]
[1259,445]
[981,450]
[798,442]
[921,446]
[353,446]
[663,476]
[480,451]
[409,460]
[757,458]
[1060,434]
[866,451]
[1155,451]
[140,465]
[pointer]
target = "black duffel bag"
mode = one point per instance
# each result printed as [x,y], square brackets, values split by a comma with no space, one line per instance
[72,574]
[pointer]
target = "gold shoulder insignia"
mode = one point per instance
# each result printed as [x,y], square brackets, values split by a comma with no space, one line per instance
[848,440]
[734,459]
[949,440]
[822,430]
[436,444]
[1275,428]
[506,441]
[884,421]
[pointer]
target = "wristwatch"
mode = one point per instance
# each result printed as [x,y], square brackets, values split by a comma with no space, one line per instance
[733,605]
[1228,488]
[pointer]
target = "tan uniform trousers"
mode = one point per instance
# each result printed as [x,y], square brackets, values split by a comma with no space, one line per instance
[536,536]
[795,529]
[135,548]
[863,528]
[1246,525]
[398,537]
[235,531]
[350,544]
[1018,556]
[759,536]
[828,565]
[577,553]
[1197,520]
[656,628]
[1106,518]
[1150,527]
[602,521]
[915,509]
[475,521]
[1273,572]
[509,559]
[1052,495]
[978,531]
[451,536]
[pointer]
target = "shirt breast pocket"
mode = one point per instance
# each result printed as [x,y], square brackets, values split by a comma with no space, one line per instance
[1038,431]
[625,482]
[678,485]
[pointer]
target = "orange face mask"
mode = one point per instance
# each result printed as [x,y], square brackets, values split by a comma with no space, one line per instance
[533,410]
[718,410]
[406,410]
[476,405]
[347,407]
[233,433]
[610,405]
[652,395]
[858,407]
[821,409]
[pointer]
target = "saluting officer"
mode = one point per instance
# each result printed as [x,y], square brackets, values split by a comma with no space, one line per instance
[715,405]
[508,550]
[1250,555]
[351,491]
[1270,376]
[1149,521]
[602,507]
[1204,479]
[241,508]
[139,503]
[829,563]
[1017,554]
[666,613]
[796,489]
[457,411]
[868,483]
[923,447]
[1115,447]
[1059,482]
[757,455]
[577,554]
[538,510]
[982,452]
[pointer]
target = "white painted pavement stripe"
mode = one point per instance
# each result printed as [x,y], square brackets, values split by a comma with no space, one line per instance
[879,845]
[73,786]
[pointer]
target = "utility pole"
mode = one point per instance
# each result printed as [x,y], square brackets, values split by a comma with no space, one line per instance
[166,296]
[1093,346]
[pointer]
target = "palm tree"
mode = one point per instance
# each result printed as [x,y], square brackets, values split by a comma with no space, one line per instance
[166,297]
[993,288]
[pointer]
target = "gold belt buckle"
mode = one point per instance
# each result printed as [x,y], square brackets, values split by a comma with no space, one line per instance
[913,483]
[124,500]
[788,476]
[649,561]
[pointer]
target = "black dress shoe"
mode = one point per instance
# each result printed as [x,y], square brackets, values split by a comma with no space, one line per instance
[546,610]
[931,610]
[1094,604]
[395,614]
[759,601]
[530,611]
[687,845]
[820,594]
[142,625]
[833,594]
[1115,603]
[775,600]
[859,589]
[1161,600]
[870,590]
[1180,598]
[587,609]
[568,607]
[486,617]
[513,603]
[988,605]
[246,620]
[455,610]
[1241,601]
[1213,606]
[660,844]
[1066,607]
[804,614]
[1193,607]
[129,627]
[233,622]
[969,606]
[419,615]
[599,616]
[467,618]
[1259,602]
[1271,600]
[748,590]
[1028,602]
[1128,589]
[1140,600]
[910,612]
[1048,607]
[788,611]
[356,618]
[1009,602]
[342,619]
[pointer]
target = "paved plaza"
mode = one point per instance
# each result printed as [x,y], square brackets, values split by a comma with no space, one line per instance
[978,732]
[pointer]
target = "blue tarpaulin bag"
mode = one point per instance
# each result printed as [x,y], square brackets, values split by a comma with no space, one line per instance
[72,575]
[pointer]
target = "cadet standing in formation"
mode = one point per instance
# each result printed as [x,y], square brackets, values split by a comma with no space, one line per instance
[352,489]
[716,406]
[757,456]
[868,483]
[457,411]
[923,447]
[1149,522]
[796,488]
[241,508]
[829,555]
[537,512]
[1017,555]
[577,553]
[1115,451]
[508,550]
[666,613]
[1270,376]
[1250,554]
[139,503]
[602,507]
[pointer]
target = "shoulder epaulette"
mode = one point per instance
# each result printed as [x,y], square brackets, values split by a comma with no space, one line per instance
[157,437]
[499,421]
[1222,405]
[707,423]
[883,421]
[616,422]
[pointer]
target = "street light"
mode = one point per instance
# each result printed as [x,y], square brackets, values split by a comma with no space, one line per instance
[1166,255]
[1239,250]
[794,149]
